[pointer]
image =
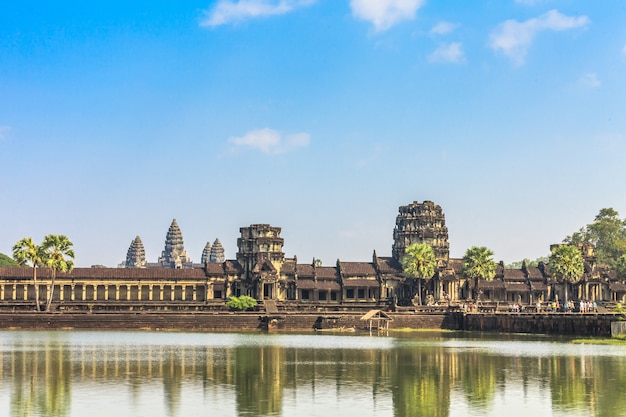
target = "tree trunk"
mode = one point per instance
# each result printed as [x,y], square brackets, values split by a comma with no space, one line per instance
[419,291]
[36,288]
[51,290]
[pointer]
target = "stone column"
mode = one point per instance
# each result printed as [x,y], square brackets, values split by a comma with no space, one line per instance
[2,292]
[195,296]
[139,291]
[150,292]
[161,287]
[183,290]
[84,293]
[14,292]
[172,292]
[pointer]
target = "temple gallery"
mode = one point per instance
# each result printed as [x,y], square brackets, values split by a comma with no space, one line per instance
[263,271]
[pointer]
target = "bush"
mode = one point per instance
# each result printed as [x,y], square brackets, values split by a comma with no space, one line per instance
[241,303]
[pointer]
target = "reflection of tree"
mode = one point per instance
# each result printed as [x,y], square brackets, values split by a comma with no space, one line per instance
[569,386]
[41,381]
[172,381]
[258,379]
[421,382]
[479,377]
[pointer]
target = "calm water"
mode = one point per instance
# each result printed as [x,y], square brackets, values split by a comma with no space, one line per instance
[209,374]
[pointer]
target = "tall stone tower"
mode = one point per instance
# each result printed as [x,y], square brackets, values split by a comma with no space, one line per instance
[174,255]
[261,257]
[136,255]
[217,253]
[205,253]
[421,223]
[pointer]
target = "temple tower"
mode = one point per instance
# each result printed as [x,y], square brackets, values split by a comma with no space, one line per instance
[421,223]
[205,253]
[261,256]
[216,255]
[174,255]
[136,255]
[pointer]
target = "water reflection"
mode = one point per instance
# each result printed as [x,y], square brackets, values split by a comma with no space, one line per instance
[78,373]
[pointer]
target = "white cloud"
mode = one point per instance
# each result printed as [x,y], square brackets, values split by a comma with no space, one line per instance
[4,130]
[513,38]
[450,52]
[385,13]
[230,11]
[270,141]
[590,80]
[443,28]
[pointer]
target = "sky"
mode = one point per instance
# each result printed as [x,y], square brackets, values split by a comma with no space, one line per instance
[321,117]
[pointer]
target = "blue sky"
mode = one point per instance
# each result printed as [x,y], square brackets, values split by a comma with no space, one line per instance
[318,116]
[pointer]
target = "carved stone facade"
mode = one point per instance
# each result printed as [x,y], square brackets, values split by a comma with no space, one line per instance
[421,223]
[262,271]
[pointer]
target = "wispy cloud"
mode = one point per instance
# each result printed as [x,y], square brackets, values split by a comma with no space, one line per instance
[513,38]
[230,11]
[449,52]
[385,13]
[443,28]
[4,130]
[590,80]
[270,141]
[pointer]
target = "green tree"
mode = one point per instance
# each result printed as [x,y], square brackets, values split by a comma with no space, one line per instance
[7,262]
[566,265]
[478,264]
[607,233]
[58,257]
[26,252]
[419,263]
[620,267]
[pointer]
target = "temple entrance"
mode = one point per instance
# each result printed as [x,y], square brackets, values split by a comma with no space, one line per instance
[268,291]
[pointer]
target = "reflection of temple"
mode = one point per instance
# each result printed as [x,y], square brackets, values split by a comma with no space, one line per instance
[262,270]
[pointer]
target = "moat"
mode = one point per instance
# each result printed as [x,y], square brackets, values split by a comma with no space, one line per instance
[75,373]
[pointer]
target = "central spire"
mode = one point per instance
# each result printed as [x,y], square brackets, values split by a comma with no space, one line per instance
[174,254]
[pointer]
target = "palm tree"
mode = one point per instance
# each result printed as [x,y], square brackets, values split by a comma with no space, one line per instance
[24,252]
[419,262]
[56,249]
[566,264]
[478,264]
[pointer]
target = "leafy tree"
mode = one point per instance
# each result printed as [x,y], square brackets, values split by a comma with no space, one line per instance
[26,252]
[529,263]
[566,265]
[6,261]
[419,263]
[243,302]
[607,233]
[478,264]
[57,250]
[620,267]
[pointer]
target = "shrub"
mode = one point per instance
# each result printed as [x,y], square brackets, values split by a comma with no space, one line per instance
[241,303]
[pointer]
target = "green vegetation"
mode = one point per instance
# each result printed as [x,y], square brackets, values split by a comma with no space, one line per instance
[243,302]
[6,261]
[58,257]
[618,341]
[26,252]
[607,233]
[419,263]
[529,263]
[566,265]
[51,253]
[478,264]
